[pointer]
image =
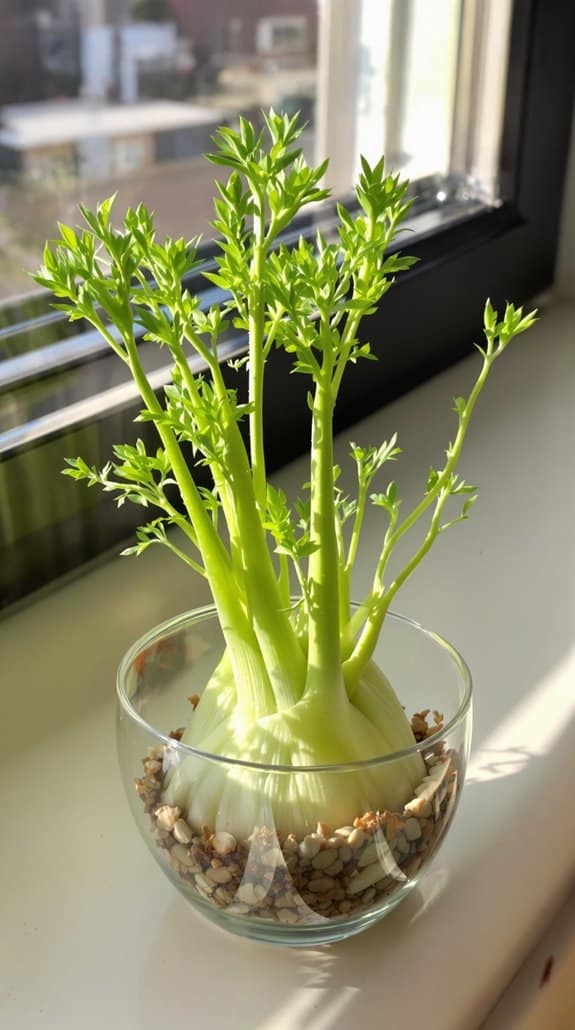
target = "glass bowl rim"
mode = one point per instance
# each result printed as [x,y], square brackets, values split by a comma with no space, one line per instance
[209,611]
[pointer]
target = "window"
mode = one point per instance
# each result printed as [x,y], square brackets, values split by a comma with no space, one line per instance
[462,95]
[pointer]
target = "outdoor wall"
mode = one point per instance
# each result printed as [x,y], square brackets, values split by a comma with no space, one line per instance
[208,26]
[20,72]
[102,45]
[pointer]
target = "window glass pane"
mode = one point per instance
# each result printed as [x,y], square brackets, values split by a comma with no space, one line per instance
[123,95]
[105,95]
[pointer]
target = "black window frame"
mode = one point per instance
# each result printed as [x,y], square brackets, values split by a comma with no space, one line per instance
[426,323]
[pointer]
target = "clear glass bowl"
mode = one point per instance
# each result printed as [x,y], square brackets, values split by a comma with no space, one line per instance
[295,889]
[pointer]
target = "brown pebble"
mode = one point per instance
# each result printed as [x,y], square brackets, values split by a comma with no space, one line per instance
[219,875]
[321,885]
[182,854]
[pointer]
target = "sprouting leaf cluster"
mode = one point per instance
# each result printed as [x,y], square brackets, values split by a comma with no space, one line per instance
[308,296]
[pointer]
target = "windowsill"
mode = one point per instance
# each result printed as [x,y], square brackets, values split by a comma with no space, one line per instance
[96,934]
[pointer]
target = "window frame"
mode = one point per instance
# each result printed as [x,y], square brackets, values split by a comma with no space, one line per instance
[504,252]
[426,322]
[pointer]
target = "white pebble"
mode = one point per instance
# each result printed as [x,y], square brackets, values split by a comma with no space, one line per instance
[323,859]
[223,843]
[356,838]
[203,884]
[182,832]
[238,909]
[419,806]
[251,893]
[167,816]
[310,845]
[366,879]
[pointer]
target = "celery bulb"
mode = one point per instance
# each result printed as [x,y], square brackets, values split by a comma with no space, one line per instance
[312,732]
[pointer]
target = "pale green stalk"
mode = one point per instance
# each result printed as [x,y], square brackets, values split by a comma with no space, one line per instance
[324,658]
[256,355]
[380,597]
[255,695]
[280,647]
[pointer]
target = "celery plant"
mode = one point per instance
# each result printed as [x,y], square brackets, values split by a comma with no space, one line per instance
[297,684]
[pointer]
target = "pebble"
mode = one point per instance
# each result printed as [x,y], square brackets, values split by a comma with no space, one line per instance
[356,838]
[412,829]
[366,878]
[335,868]
[287,900]
[321,885]
[420,807]
[272,858]
[400,844]
[310,846]
[287,915]
[182,831]
[323,859]
[238,909]
[167,816]
[152,766]
[368,855]
[223,895]
[392,825]
[223,843]
[202,883]
[219,875]
[182,854]
[251,893]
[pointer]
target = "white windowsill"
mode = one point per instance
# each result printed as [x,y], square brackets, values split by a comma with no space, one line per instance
[94,935]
